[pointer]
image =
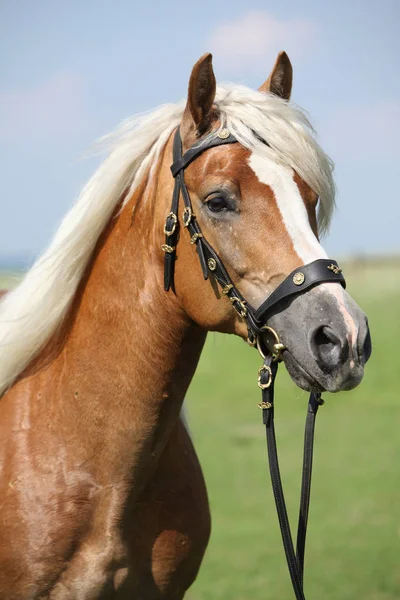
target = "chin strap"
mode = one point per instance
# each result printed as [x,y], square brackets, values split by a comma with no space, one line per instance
[295,561]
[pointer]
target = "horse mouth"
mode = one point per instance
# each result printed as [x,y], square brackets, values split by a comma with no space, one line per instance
[347,377]
[299,375]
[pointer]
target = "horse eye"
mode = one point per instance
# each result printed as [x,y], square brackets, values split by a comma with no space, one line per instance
[216,205]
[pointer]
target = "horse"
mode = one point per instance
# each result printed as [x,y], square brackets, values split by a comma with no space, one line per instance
[102,494]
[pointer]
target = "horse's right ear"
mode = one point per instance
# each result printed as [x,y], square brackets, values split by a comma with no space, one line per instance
[198,113]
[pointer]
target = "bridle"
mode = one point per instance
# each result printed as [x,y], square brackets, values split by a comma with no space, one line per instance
[297,282]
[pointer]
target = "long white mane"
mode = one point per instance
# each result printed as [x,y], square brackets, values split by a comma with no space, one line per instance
[31,313]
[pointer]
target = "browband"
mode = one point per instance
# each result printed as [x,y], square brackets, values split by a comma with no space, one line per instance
[181,162]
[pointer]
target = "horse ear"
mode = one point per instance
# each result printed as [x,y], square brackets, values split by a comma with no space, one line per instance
[281,78]
[202,86]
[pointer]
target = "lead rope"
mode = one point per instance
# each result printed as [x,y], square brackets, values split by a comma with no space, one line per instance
[295,562]
[314,403]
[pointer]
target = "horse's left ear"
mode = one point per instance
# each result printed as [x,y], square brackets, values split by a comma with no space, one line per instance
[198,113]
[281,78]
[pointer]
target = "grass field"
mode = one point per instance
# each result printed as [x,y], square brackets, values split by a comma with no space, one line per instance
[354,533]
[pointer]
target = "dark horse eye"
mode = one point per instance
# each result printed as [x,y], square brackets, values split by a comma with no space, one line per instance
[216,205]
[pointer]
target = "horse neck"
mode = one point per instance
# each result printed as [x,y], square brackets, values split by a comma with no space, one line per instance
[130,351]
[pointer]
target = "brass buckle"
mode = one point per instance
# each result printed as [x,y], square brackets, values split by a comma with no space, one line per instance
[277,347]
[173,216]
[187,215]
[239,306]
[264,386]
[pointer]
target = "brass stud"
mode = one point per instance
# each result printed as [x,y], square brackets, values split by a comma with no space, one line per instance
[336,269]
[195,237]
[298,278]
[167,249]
[265,405]
[226,289]
[212,264]
[223,134]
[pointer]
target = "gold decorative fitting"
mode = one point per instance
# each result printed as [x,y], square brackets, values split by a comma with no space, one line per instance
[195,237]
[212,264]
[263,405]
[277,346]
[239,306]
[298,278]
[335,269]
[167,249]
[223,134]
[278,349]
[187,215]
[261,385]
[174,218]
[227,289]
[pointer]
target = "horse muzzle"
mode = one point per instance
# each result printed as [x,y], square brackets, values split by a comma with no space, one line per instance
[327,339]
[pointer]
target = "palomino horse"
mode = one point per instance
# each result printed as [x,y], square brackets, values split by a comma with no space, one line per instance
[102,495]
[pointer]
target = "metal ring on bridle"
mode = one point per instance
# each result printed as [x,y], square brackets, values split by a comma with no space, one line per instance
[277,347]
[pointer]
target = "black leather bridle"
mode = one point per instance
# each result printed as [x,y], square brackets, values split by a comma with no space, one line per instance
[297,282]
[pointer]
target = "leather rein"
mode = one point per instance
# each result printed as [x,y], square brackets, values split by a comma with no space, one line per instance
[298,281]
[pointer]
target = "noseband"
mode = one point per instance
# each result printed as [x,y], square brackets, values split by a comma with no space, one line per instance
[297,282]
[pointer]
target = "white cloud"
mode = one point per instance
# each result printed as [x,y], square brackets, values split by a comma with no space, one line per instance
[247,42]
[48,111]
[363,132]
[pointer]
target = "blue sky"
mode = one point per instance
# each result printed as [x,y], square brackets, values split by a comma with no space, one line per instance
[71,71]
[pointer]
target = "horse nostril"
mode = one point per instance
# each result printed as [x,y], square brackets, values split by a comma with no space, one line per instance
[365,344]
[326,347]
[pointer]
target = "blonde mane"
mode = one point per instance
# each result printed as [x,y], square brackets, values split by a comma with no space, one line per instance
[30,314]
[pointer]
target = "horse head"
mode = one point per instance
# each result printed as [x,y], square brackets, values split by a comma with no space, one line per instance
[259,204]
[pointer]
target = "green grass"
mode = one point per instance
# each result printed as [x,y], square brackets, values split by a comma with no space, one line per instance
[354,531]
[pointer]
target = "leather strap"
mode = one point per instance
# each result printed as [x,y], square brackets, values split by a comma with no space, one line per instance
[295,562]
[314,403]
[300,280]
[181,162]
